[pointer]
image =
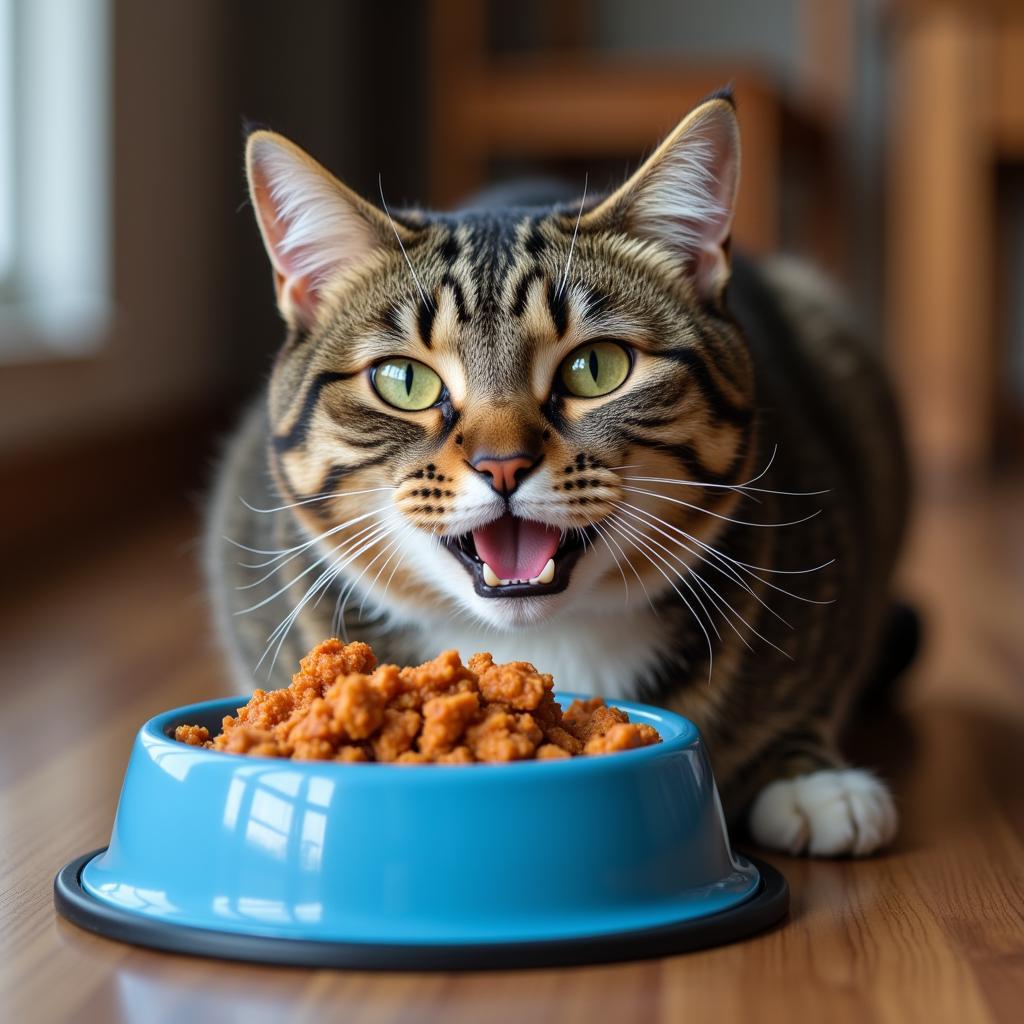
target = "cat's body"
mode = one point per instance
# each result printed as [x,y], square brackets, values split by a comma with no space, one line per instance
[736,415]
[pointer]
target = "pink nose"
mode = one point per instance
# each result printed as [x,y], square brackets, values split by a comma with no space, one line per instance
[505,474]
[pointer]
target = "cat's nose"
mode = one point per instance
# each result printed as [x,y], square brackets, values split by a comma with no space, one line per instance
[505,474]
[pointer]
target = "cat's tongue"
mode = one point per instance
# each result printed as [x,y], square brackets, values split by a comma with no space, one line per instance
[516,549]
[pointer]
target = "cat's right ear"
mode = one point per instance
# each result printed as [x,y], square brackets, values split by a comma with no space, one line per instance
[314,227]
[683,196]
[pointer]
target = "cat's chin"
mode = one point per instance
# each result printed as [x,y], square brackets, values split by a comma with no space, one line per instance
[512,614]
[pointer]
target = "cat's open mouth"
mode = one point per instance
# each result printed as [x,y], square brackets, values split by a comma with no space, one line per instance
[512,557]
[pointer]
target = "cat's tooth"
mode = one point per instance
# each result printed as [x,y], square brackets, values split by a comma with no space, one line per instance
[491,577]
[547,573]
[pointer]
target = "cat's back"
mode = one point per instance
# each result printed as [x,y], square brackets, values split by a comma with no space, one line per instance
[824,397]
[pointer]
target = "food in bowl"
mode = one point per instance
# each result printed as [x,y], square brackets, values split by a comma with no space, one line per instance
[343,706]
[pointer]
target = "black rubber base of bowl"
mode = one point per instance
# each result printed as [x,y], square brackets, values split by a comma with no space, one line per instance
[762,910]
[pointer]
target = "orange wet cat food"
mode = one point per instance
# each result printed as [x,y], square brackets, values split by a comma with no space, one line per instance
[343,706]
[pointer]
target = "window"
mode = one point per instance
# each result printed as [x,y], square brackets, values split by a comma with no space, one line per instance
[6,140]
[54,177]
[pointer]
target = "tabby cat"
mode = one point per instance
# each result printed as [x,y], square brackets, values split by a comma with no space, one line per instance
[582,435]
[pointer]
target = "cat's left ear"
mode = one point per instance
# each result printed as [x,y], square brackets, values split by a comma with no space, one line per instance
[314,228]
[684,194]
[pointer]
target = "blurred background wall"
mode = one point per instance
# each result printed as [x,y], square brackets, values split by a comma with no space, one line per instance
[882,139]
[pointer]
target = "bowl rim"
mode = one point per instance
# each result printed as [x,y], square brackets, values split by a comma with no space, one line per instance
[765,907]
[156,733]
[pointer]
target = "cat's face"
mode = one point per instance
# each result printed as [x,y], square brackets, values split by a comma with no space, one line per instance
[503,414]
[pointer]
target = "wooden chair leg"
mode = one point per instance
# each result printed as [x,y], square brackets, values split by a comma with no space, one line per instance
[458,163]
[940,240]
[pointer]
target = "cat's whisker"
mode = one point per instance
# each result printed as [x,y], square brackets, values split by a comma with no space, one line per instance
[744,567]
[650,544]
[723,605]
[639,541]
[764,472]
[383,530]
[781,590]
[729,558]
[398,564]
[725,569]
[427,301]
[618,547]
[723,602]
[768,465]
[280,553]
[367,545]
[342,602]
[312,499]
[618,565]
[338,619]
[739,488]
[281,565]
[276,645]
[350,556]
[648,519]
[305,572]
[707,636]
[394,547]
[748,490]
[572,244]
[742,619]
[322,584]
[745,487]
[699,485]
[584,539]
[305,545]
[718,515]
[277,636]
[779,572]
[255,551]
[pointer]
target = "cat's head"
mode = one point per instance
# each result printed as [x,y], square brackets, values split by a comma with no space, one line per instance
[505,414]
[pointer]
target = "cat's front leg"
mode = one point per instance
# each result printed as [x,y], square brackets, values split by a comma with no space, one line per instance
[830,812]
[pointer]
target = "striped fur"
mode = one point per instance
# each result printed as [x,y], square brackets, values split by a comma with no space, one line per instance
[736,408]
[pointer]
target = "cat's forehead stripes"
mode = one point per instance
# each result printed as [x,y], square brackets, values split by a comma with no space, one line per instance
[450,247]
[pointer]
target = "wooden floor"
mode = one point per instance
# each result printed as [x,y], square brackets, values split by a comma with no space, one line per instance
[931,931]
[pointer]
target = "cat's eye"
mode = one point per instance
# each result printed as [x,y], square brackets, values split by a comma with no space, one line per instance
[407,384]
[595,369]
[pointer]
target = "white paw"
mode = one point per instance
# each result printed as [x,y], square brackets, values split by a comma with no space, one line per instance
[826,814]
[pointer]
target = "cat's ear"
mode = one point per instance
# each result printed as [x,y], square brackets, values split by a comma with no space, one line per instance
[684,194]
[313,226]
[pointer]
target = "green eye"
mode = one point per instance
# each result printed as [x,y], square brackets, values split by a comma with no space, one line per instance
[407,384]
[594,369]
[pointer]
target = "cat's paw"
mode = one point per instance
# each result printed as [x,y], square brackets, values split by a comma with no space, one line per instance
[826,814]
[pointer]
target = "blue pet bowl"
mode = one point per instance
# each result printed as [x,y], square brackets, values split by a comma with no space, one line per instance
[425,866]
